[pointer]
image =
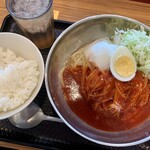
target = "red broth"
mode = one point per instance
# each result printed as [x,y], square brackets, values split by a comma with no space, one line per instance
[104,120]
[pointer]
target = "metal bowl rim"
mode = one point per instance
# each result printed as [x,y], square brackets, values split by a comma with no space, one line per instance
[47,86]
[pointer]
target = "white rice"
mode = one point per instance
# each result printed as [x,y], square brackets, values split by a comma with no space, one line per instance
[18,79]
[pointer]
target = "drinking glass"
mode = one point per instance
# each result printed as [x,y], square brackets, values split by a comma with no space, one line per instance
[37,23]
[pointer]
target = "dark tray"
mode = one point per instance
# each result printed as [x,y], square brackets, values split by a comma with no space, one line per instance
[47,135]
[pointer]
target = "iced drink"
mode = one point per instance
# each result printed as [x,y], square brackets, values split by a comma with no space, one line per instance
[35,18]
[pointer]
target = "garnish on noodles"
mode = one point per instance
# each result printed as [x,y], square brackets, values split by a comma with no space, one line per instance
[100,99]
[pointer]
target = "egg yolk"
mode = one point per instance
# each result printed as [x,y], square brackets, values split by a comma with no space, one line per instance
[124,66]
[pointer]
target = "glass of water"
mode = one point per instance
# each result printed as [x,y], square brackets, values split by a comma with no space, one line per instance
[35,19]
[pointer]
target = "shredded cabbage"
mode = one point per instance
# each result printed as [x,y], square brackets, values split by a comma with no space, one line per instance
[138,42]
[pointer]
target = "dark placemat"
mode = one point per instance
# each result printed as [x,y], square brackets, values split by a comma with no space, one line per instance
[47,135]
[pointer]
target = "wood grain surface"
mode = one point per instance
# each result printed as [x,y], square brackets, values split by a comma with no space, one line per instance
[74,10]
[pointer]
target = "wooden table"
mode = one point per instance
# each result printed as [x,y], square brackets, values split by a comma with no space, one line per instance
[74,10]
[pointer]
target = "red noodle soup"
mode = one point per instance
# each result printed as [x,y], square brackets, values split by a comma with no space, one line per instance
[102,101]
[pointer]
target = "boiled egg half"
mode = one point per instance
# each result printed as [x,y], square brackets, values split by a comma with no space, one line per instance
[123,64]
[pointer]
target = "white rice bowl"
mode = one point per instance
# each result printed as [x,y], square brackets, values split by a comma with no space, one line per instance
[23,59]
